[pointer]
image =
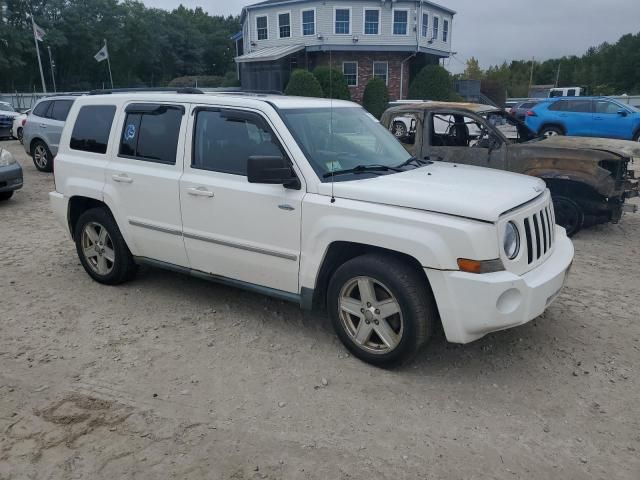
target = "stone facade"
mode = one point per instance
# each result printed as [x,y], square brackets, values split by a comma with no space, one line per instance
[365,70]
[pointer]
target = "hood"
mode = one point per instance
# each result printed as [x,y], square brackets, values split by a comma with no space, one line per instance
[460,190]
[622,148]
[6,113]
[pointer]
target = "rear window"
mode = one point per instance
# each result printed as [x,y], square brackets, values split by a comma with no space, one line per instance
[151,133]
[41,109]
[61,109]
[92,128]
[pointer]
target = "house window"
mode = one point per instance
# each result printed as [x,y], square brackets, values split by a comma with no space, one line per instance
[445,31]
[263,28]
[436,27]
[371,22]
[425,24]
[381,70]
[284,25]
[400,20]
[343,21]
[350,72]
[308,22]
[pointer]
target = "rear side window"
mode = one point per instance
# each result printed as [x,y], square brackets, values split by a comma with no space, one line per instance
[60,109]
[41,109]
[92,128]
[224,140]
[579,106]
[151,133]
[560,106]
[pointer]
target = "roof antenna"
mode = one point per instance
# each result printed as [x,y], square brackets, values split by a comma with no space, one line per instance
[333,198]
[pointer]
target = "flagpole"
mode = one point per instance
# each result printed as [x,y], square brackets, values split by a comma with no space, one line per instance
[35,39]
[53,76]
[109,63]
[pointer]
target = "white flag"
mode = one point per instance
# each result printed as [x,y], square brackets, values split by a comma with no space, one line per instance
[103,54]
[38,32]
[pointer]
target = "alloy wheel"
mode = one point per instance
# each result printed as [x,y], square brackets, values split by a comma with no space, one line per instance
[97,248]
[40,156]
[371,315]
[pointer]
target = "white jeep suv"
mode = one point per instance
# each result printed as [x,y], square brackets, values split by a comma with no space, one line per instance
[312,201]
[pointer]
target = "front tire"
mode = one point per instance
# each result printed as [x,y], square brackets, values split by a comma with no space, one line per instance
[382,309]
[42,158]
[6,195]
[552,131]
[20,134]
[569,214]
[101,248]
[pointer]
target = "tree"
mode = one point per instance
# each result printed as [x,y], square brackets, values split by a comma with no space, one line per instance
[433,82]
[303,84]
[332,82]
[473,70]
[376,97]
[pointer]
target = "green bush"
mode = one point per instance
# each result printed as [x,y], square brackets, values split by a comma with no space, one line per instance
[376,97]
[303,84]
[433,82]
[333,83]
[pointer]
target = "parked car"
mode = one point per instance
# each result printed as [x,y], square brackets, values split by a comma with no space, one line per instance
[10,175]
[42,130]
[18,125]
[589,179]
[7,114]
[585,117]
[520,110]
[311,201]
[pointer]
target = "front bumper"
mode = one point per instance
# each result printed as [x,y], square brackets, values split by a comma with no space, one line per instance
[10,177]
[472,305]
[59,205]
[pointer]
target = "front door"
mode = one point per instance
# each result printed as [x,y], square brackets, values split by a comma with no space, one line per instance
[232,228]
[610,122]
[458,138]
[142,180]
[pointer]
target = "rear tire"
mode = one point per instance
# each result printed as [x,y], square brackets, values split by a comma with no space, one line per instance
[551,131]
[6,195]
[20,134]
[569,214]
[399,130]
[382,309]
[42,158]
[636,137]
[102,249]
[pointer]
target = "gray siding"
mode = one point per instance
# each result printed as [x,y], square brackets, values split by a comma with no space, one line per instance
[325,25]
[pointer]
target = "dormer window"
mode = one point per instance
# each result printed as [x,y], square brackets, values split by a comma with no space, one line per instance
[342,21]
[284,25]
[263,27]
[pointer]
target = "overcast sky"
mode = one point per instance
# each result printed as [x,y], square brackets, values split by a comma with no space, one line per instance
[498,30]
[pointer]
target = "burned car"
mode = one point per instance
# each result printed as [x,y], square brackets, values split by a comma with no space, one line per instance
[589,178]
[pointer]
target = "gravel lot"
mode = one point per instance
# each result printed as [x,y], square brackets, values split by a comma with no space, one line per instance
[174,377]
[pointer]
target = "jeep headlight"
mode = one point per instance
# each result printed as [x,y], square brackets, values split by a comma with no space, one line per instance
[511,241]
[6,158]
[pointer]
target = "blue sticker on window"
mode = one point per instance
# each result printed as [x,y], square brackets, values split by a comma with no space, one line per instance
[130,132]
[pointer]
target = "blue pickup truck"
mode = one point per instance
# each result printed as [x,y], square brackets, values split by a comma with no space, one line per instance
[585,117]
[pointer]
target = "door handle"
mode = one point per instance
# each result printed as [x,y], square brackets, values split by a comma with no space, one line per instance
[199,192]
[122,178]
[42,125]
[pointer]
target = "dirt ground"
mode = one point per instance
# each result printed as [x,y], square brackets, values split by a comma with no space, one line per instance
[174,377]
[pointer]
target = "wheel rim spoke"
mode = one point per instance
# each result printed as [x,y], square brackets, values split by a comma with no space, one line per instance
[351,305]
[92,234]
[367,293]
[363,332]
[388,308]
[102,265]
[97,248]
[109,254]
[386,334]
[90,252]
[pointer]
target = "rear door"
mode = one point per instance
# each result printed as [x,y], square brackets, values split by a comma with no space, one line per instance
[56,117]
[578,117]
[142,179]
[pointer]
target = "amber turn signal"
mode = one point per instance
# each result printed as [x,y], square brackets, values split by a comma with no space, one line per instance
[480,266]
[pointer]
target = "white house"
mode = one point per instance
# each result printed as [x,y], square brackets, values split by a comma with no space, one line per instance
[390,39]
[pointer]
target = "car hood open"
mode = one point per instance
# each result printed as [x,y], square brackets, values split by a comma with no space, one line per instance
[460,190]
[622,148]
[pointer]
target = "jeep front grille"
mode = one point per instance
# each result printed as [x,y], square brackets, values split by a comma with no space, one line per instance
[539,231]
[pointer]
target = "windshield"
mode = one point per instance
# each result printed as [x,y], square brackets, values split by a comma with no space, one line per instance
[6,108]
[509,126]
[343,138]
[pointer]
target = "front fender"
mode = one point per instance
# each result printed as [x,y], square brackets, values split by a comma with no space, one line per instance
[435,240]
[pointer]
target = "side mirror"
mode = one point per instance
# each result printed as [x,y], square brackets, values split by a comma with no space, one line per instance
[622,113]
[272,171]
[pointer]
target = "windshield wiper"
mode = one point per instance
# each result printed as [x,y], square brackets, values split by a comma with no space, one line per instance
[363,169]
[414,161]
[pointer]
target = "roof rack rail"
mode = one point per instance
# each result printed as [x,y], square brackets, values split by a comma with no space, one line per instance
[249,92]
[185,90]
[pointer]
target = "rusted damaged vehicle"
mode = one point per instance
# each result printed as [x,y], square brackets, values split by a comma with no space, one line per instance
[589,178]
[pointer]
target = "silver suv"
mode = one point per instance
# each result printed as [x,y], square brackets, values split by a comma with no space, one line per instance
[43,129]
